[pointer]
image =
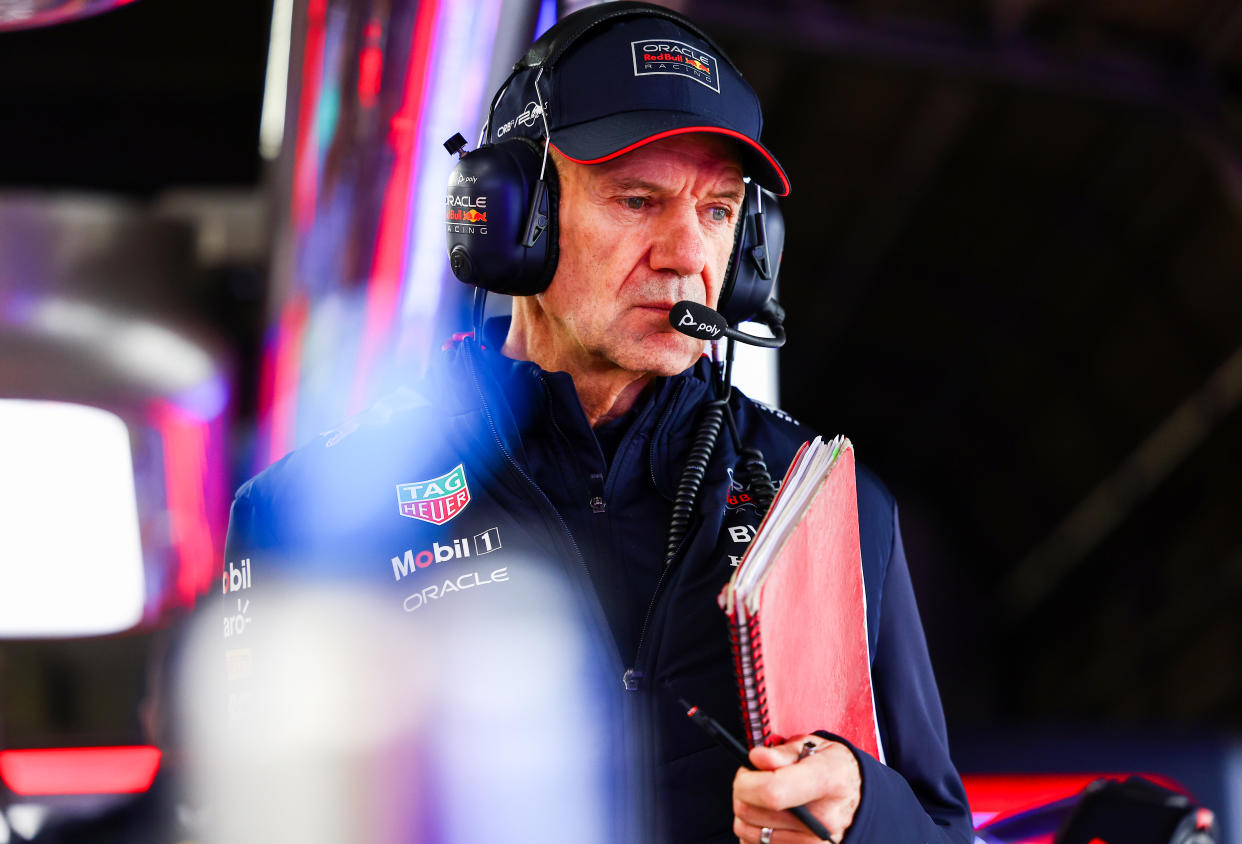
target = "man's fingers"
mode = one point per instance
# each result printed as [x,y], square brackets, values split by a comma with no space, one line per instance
[759,817]
[750,834]
[782,754]
[824,777]
[830,773]
[787,751]
[771,758]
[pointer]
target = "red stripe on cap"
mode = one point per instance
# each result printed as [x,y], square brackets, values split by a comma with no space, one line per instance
[683,131]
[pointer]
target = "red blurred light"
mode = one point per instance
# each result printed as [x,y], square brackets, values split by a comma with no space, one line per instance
[384,285]
[306,146]
[282,408]
[80,770]
[998,795]
[371,64]
[1004,793]
[370,74]
[187,478]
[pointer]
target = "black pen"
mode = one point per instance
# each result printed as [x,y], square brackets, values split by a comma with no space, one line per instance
[726,739]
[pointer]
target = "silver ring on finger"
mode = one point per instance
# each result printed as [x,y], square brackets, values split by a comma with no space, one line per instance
[765,835]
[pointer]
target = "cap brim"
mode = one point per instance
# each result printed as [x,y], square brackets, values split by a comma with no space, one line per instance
[597,141]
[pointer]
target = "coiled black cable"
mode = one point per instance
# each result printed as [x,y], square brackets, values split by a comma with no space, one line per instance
[754,471]
[692,475]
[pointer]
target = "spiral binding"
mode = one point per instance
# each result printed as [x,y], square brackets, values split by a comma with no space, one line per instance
[748,685]
[748,667]
[740,674]
[761,691]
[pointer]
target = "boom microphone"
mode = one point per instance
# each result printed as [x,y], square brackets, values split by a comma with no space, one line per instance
[702,323]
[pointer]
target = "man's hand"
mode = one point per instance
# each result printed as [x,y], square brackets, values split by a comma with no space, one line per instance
[828,783]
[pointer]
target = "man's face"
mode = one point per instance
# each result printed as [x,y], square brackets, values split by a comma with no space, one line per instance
[638,234]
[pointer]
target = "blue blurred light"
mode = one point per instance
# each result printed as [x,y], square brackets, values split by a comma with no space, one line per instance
[207,399]
[547,16]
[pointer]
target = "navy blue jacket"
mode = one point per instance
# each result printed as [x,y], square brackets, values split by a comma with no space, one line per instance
[541,487]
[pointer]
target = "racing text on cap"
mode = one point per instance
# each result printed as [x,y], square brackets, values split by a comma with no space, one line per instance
[676,58]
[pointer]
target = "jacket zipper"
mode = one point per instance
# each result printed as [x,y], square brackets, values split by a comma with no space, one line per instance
[632,678]
[596,481]
[644,797]
[598,504]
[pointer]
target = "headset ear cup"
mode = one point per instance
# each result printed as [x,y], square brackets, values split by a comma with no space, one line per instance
[755,261]
[486,212]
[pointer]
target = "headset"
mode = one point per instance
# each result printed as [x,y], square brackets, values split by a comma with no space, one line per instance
[502,199]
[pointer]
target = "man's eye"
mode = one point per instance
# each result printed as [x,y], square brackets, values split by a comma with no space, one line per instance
[719,214]
[635,203]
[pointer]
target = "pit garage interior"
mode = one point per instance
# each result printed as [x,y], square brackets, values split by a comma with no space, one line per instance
[1013,276]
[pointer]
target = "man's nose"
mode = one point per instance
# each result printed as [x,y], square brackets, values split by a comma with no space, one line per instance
[679,245]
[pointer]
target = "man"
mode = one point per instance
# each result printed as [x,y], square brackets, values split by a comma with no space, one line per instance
[565,433]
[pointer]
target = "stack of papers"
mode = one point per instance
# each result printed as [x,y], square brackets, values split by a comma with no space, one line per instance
[798,609]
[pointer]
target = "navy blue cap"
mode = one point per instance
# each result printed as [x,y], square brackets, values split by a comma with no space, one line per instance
[616,76]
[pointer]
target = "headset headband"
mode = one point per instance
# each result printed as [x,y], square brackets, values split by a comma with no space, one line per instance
[550,46]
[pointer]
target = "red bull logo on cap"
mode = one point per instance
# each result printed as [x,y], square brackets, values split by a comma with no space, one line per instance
[665,56]
[436,500]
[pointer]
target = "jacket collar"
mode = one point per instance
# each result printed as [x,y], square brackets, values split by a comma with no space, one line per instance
[525,395]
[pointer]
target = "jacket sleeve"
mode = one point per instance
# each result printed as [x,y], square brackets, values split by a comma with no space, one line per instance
[255,533]
[918,796]
[250,528]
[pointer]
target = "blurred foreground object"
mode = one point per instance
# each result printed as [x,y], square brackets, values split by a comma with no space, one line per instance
[116,392]
[27,14]
[333,718]
[67,569]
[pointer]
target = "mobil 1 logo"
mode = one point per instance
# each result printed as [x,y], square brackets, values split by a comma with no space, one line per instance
[460,548]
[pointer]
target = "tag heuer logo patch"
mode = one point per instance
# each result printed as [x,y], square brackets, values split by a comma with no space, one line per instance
[436,500]
[675,58]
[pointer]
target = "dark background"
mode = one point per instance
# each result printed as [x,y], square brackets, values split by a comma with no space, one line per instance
[1012,274]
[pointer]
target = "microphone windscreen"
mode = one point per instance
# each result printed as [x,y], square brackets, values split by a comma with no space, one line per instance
[698,321]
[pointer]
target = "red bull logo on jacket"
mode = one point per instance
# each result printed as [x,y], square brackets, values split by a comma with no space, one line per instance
[436,500]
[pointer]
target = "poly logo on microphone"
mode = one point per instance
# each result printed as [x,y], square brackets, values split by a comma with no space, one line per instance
[701,329]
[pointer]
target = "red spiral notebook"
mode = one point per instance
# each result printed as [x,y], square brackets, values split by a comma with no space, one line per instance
[798,610]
